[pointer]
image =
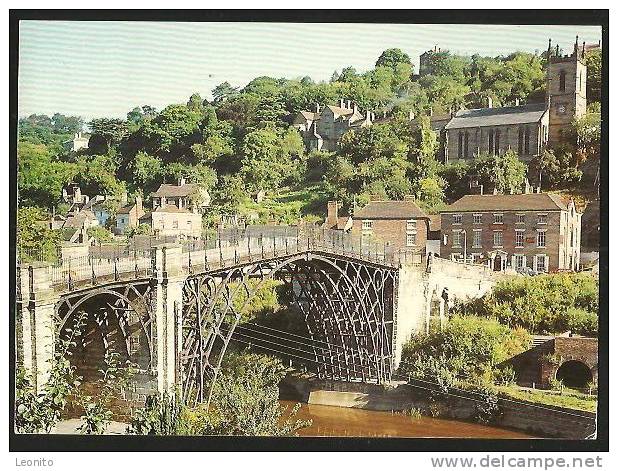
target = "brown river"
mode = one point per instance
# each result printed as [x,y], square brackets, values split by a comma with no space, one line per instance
[329,421]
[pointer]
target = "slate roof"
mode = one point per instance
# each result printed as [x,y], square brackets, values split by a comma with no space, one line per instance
[406,209]
[340,111]
[77,221]
[126,209]
[497,116]
[526,202]
[168,190]
[310,115]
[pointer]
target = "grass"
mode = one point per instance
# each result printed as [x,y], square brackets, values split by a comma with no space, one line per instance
[289,205]
[569,398]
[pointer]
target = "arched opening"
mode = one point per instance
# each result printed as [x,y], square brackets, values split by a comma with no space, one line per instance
[109,323]
[574,374]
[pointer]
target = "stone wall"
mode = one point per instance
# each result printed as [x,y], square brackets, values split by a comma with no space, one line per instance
[542,420]
[420,291]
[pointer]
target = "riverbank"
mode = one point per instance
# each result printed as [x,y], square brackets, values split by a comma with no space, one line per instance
[522,416]
[331,421]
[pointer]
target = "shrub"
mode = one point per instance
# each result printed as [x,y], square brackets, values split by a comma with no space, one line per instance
[469,347]
[550,303]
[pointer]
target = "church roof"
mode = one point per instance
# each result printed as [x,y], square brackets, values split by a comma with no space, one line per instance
[497,116]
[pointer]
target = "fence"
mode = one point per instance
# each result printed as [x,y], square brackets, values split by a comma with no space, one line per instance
[228,247]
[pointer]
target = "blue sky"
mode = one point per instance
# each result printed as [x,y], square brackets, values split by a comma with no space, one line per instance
[95,69]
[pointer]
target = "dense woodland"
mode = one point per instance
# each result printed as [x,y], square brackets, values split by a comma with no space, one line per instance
[242,141]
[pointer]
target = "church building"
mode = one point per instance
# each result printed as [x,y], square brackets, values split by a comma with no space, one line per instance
[525,129]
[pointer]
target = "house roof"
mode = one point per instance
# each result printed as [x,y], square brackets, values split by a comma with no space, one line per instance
[77,220]
[310,115]
[167,190]
[340,111]
[406,209]
[126,209]
[525,202]
[497,116]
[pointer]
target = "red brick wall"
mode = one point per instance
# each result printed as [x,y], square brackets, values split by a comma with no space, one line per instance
[393,231]
[508,227]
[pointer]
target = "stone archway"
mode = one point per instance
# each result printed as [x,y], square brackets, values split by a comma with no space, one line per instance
[574,374]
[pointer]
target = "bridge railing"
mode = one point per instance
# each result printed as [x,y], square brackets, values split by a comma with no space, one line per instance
[75,271]
[136,258]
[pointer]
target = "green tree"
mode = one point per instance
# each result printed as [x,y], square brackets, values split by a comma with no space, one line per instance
[556,168]
[593,60]
[108,132]
[505,172]
[35,240]
[223,92]
[392,57]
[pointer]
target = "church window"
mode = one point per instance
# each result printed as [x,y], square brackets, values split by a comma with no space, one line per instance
[460,146]
[497,147]
[491,142]
[527,140]
[562,80]
[466,148]
[520,141]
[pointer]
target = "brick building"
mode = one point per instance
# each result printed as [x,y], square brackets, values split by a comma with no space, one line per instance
[539,231]
[400,224]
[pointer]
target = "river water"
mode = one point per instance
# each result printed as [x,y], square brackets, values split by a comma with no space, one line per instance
[329,421]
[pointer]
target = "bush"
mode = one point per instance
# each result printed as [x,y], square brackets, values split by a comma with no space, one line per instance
[469,347]
[551,303]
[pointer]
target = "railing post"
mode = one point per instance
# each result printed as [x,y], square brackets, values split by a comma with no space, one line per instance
[262,245]
[235,254]
[287,252]
[94,276]
[70,280]
[135,261]
[190,265]
[249,247]
[116,274]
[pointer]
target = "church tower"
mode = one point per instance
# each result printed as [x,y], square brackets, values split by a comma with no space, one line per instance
[566,90]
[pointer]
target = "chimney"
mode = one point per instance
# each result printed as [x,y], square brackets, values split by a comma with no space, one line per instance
[368,116]
[181,181]
[348,104]
[332,215]
[341,102]
[317,107]
[355,107]
[490,102]
[516,101]
[138,203]
[475,187]
[123,198]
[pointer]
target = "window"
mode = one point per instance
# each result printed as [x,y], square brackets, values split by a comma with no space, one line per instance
[498,238]
[519,261]
[520,219]
[466,142]
[490,146]
[562,80]
[457,218]
[540,239]
[367,225]
[410,239]
[541,263]
[477,239]
[542,219]
[459,145]
[477,218]
[457,238]
[520,141]
[498,218]
[189,224]
[527,140]
[175,225]
[497,144]
[411,225]
[519,238]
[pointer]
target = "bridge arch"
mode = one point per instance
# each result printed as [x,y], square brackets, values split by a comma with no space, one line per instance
[343,302]
[116,317]
[574,373]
